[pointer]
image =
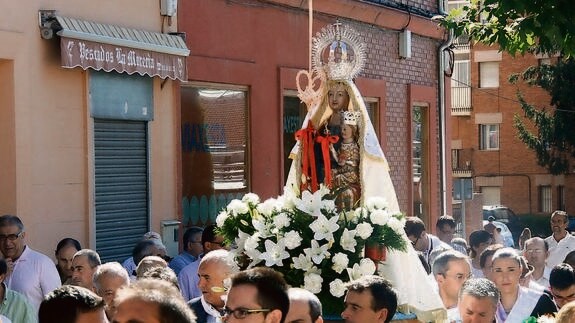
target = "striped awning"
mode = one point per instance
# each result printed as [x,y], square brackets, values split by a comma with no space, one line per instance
[108,47]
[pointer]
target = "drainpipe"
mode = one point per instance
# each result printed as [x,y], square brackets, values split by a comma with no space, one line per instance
[443,113]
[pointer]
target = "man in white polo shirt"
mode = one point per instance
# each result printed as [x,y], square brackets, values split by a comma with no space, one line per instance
[30,272]
[560,242]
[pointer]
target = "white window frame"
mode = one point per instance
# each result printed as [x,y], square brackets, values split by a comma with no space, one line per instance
[488,74]
[486,134]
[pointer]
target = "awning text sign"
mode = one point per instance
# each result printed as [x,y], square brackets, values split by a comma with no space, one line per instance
[100,56]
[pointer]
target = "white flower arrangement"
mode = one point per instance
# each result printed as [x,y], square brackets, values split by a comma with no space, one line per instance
[314,245]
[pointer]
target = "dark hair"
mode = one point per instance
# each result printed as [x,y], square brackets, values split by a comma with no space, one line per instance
[562,276]
[142,249]
[271,286]
[489,251]
[8,220]
[476,238]
[3,266]
[382,292]
[63,304]
[414,226]
[190,232]
[570,258]
[92,256]
[445,219]
[209,234]
[67,242]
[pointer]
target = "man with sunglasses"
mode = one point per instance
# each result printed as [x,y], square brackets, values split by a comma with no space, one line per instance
[451,269]
[422,241]
[29,272]
[257,295]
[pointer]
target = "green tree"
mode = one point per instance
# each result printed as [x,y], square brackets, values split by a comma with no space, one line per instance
[553,139]
[532,26]
[517,26]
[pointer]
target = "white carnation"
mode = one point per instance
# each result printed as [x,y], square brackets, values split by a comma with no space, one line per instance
[364,230]
[281,221]
[312,282]
[340,262]
[268,207]
[292,239]
[379,217]
[237,207]
[376,203]
[337,288]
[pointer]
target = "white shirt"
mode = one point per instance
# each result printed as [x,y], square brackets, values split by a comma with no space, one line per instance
[4,319]
[34,275]
[558,250]
[434,243]
[544,280]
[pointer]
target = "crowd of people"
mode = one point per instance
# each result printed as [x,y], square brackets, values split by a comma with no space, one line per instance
[536,280]
[478,282]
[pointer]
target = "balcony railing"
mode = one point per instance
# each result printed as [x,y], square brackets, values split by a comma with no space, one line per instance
[461,101]
[461,43]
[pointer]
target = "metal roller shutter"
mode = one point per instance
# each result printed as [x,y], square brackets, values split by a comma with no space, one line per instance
[121,172]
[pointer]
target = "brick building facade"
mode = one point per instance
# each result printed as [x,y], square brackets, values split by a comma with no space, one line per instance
[485,143]
[256,47]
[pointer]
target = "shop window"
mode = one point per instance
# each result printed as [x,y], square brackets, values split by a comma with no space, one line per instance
[214,149]
[489,137]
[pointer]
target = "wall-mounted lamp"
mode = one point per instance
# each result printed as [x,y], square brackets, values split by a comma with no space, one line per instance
[405,44]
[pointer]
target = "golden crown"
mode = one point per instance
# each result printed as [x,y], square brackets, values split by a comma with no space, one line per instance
[351,117]
[338,51]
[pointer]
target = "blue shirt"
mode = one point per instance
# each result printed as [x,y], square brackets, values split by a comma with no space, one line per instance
[180,261]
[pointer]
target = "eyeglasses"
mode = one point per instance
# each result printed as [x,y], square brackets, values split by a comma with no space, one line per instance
[241,312]
[413,243]
[11,237]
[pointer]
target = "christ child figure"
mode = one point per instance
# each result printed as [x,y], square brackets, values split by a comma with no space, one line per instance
[345,176]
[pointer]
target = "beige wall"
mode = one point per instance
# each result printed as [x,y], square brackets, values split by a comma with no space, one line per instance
[45,127]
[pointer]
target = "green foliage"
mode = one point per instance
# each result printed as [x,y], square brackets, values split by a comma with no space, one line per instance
[517,26]
[553,140]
